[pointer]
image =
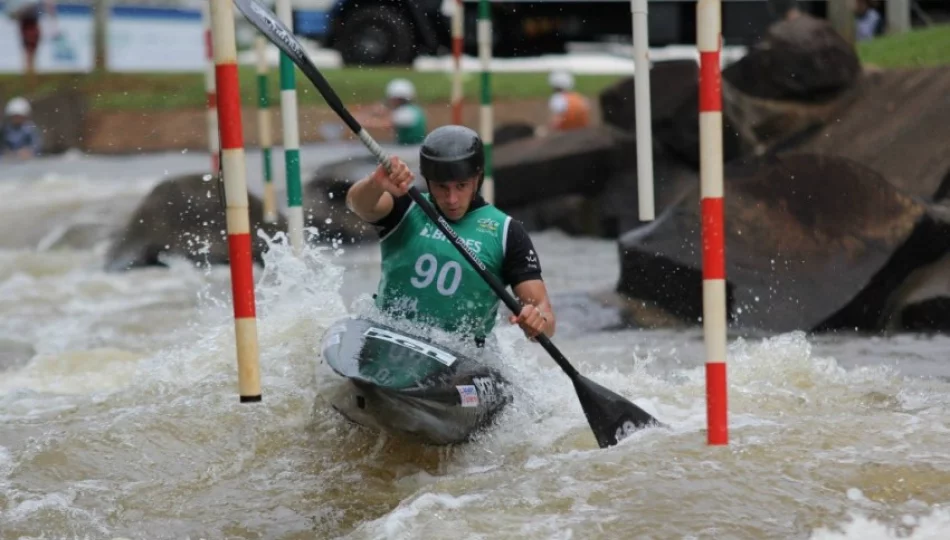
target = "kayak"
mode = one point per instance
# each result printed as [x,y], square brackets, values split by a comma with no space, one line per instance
[393,381]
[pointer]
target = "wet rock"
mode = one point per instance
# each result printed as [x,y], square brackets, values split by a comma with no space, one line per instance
[671,84]
[576,162]
[183,216]
[922,303]
[812,243]
[573,214]
[897,125]
[618,204]
[679,131]
[512,132]
[801,59]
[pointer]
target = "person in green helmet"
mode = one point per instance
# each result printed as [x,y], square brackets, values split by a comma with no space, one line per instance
[424,277]
[401,114]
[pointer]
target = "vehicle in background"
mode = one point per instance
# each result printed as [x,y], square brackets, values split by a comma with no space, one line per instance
[373,32]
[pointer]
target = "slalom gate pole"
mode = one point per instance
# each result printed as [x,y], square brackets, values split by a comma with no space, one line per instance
[211,101]
[291,132]
[709,43]
[644,128]
[486,123]
[458,29]
[235,189]
[264,130]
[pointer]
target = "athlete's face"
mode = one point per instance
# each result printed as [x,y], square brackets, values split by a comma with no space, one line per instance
[454,198]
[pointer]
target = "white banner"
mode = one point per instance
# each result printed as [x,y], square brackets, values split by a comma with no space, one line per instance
[139,39]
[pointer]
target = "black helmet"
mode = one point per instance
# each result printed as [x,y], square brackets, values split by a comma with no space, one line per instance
[452,153]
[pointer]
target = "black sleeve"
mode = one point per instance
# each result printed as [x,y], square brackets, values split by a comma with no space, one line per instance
[521,260]
[400,207]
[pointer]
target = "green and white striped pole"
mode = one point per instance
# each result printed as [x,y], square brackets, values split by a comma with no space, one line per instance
[487,115]
[264,130]
[291,131]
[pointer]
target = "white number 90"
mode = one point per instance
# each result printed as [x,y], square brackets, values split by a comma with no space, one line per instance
[427,271]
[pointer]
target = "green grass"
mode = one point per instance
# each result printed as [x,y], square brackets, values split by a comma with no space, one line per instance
[920,48]
[156,91]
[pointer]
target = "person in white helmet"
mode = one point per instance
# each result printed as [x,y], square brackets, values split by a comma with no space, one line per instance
[569,109]
[19,136]
[400,114]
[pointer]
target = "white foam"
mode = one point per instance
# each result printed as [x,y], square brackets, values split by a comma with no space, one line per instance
[934,526]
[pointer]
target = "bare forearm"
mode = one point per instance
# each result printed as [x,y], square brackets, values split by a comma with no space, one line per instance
[366,199]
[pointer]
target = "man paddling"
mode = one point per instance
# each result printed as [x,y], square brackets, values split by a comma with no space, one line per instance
[424,278]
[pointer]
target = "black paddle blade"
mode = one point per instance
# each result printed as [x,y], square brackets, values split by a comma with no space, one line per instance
[612,417]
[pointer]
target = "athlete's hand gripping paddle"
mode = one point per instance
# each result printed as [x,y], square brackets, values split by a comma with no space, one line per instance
[611,416]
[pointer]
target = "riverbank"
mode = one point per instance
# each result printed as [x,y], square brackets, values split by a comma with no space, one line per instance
[124,113]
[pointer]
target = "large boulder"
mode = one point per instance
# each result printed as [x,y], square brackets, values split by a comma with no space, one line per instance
[576,162]
[679,131]
[799,59]
[185,217]
[671,84]
[922,303]
[512,131]
[617,205]
[812,243]
[898,125]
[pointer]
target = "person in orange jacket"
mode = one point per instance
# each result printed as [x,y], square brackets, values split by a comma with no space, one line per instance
[569,109]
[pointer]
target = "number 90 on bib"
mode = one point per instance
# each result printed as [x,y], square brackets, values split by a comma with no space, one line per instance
[447,278]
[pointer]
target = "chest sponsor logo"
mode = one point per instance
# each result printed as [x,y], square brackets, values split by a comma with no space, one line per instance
[430,231]
[435,353]
[487,226]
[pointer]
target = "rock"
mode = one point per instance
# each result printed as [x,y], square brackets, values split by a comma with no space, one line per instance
[922,303]
[812,243]
[800,59]
[576,162]
[619,203]
[512,132]
[573,214]
[897,125]
[679,131]
[183,216]
[766,125]
[671,83]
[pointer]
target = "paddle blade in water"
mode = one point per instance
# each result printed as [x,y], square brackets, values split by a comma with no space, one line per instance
[611,416]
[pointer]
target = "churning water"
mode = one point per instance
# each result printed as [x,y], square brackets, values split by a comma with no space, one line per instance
[119,414]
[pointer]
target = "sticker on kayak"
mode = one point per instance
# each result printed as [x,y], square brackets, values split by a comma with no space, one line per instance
[469,395]
[331,340]
[434,353]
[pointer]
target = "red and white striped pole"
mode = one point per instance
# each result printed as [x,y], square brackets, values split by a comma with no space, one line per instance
[709,43]
[235,190]
[458,33]
[214,144]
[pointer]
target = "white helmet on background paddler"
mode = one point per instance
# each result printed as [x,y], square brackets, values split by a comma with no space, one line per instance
[18,106]
[400,89]
[561,80]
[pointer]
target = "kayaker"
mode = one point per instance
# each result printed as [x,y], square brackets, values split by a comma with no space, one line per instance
[424,278]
